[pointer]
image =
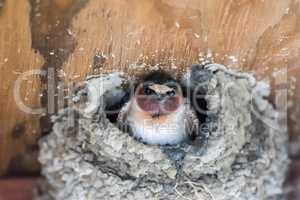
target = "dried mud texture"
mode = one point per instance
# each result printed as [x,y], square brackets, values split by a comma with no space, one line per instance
[244,156]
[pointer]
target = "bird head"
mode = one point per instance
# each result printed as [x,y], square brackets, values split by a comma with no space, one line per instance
[158,97]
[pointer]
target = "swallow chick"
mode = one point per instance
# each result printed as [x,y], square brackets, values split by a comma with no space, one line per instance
[157,113]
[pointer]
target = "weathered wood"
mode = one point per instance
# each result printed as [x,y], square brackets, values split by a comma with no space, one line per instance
[29,27]
[156,31]
[50,21]
[18,130]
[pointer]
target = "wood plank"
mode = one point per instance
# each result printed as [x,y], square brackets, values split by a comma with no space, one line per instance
[18,131]
[33,36]
[165,32]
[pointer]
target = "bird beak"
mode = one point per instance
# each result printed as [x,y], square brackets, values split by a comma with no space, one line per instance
[160,97]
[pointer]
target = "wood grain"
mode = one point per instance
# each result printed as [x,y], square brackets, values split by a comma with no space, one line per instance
[165,32]
[18,130]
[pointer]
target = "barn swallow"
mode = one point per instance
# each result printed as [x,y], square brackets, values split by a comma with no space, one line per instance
[157,113]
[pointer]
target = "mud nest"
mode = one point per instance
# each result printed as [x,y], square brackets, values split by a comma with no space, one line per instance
[242,152]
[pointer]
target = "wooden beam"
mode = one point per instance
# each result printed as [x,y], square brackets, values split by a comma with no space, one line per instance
[18,131]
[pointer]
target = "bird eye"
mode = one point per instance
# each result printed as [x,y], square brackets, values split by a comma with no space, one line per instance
[148,91]
[171,93]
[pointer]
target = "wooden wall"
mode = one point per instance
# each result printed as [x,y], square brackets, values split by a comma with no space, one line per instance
[73,38]
[18,131]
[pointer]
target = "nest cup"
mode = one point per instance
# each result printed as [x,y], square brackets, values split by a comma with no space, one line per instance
[242,156]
